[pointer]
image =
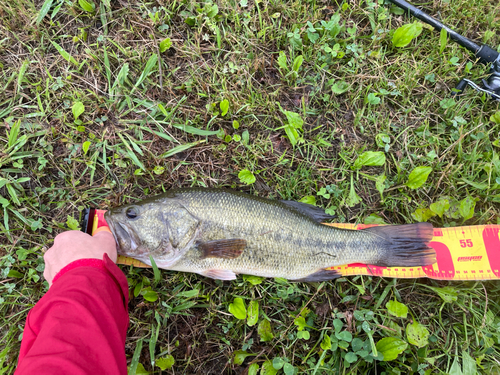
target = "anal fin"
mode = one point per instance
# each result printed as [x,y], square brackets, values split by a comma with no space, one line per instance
[219,274]
[321,275]
[226,249]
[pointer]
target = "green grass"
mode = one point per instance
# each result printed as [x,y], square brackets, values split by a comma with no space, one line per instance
[152,121]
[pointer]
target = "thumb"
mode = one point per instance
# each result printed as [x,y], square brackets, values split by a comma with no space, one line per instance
[107,243]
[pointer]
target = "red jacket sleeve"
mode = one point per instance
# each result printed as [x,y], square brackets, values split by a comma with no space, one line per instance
[79,326]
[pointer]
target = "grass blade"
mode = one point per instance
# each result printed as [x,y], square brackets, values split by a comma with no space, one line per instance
[108,70]
[135,359]
[104,19]
[64,54]
[14,132]
[155,270]
[192,130]
[121,77]
[179,148]
[44,10]
[147,70]
[13,193]
[22,71]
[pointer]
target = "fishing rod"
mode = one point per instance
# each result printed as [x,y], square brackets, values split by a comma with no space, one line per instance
[484,53]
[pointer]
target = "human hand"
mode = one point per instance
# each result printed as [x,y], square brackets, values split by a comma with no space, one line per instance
[74,245]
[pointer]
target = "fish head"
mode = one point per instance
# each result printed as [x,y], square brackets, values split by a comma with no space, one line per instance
[163,231]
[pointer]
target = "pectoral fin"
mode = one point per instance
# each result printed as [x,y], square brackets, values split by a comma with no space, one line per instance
[219,274]
[226,249]
[321,275]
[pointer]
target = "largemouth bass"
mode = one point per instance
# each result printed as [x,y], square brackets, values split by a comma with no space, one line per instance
[221,233]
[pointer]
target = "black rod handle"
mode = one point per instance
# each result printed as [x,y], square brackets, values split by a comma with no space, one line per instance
[484,53]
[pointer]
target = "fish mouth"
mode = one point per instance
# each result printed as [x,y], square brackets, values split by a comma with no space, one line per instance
[122,236]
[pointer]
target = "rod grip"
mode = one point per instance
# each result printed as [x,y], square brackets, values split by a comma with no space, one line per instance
[486,54]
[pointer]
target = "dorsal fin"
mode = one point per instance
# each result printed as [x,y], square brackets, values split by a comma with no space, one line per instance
[315,213]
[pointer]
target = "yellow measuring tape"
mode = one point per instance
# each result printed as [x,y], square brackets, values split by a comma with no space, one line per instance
[462,253]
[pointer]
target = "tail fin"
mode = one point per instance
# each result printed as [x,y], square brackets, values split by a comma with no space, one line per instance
[406,245]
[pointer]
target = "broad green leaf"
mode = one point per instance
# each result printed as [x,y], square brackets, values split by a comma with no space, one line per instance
[468,364]
[380,184]
[64,54]
[443,38]
[288,369]
[373,99]
[14,273]
[150,295]
[405,34]
[165,363]
[417,334]
[77,109]
[140,370]
[253,313]
[72,223]
[278,363]
[158,170]
[264,330]
[391,347]
[440,207]
[87,6]
[178,149]
[447,293]
[466,208]
[495,117]
[165,44]
[344,336]
[326,344]
[297,63]
[268,368]
[353,198]
[253,369]
[300,322]
[224,107]
[44,10]
[238,309]
[309,199]
[374,219]
[422,214]
[397,309]
[357,343]
[295,123]
[447,103]
[240,355]
[246,177]
[305,335]
[340,87]
[455,368]
[85,147]
[351,357]
[236,125]
[418,177]
[254,280]
[282,61]
[370,158]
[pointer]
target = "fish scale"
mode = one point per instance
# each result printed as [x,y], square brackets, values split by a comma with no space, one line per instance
[281,240]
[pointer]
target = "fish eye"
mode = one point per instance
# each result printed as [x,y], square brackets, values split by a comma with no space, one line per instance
[131,213]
